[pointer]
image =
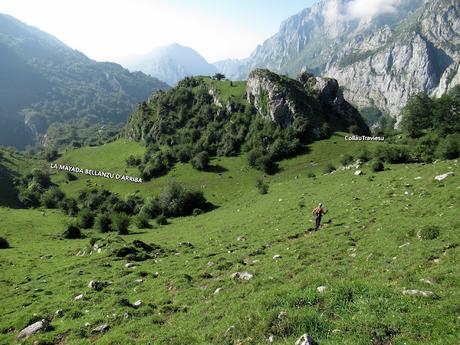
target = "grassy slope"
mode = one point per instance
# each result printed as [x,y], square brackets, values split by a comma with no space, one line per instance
[364,302]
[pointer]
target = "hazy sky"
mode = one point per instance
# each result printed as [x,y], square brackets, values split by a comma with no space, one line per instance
[114,29]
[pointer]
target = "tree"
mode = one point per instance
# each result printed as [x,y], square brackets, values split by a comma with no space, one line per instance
[218,76]
[417,115]
[200,161]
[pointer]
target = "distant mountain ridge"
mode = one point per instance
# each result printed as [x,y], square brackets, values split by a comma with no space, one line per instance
[380,58]
[171,63]
[43,81]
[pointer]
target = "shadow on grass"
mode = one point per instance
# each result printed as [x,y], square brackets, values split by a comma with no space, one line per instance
[216,169]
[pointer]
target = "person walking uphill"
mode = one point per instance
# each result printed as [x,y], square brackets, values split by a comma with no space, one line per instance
[318,212]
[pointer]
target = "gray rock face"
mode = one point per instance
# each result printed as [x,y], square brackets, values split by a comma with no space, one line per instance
[101,329]
[380,58]
[314,101]
[420,293]
[32,329]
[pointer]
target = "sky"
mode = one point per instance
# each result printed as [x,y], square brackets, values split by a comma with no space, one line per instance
[113,30]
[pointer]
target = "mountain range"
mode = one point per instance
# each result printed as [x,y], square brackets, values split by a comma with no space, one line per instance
[380,53]
[43,81]
[171,63]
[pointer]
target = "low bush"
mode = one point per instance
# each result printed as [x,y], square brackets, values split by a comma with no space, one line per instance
[72,232]
[162,220]
[4,243]
[104,222]
[120,223]
[429,233]
[395,154]
[377,166]
[262,186]
[200,161]
[175,200]
[449,148]
[85,218]
[142,221]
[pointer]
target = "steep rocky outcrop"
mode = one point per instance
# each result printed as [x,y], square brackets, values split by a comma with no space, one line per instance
[381,56]
[316,101]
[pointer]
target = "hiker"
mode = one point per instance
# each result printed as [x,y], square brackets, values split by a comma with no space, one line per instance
[318,212]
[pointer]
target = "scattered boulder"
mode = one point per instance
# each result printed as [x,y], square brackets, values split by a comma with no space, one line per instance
[97,285]
[79,297]
[130,265]
[38,326]
[321,289]
[242,275]
[277,256]
[210,264]
[59,313]
[101,329]
[185,244]
[359,173]
[444,176]
[137,304]
[271,339]
[305,339]
[420,293]
[241,238]
[426,281]
[217,291]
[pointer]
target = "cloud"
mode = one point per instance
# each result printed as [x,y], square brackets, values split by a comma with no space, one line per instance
[368,9]
[342,10]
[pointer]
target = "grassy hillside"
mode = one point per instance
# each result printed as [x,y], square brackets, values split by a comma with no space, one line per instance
[366,254]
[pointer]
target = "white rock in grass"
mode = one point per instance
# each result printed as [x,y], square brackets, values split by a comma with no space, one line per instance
[426,281]
[420,293]
[241,238]
[305,339]
[59,313]
[32,329]
[444,176]
[359,173]
[79,297]
[137,304]
[271,339]
[217,291]
[321,289]
[242,275]
[130,265]
[277,256]
[101,329]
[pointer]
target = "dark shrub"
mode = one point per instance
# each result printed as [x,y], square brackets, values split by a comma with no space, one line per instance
[175,200]
[346,159]
[363,154]
[120,223]
[377,166]
[429,232]
[133,161]
[200,161]
[52,197]
[329,168]
[262,186]
[30,197]
[311,175]
[134,203]
[104,223]
[142,221]
[4,243]
[72,232]
[86,218]
[51,155]
[395,154]
[151,207]
[425,148]
[69,206]
[267,164]
[41,177]
[162,220]
[253,155]
[449,148]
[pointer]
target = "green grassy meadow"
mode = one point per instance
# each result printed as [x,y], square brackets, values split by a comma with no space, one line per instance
[366,254]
